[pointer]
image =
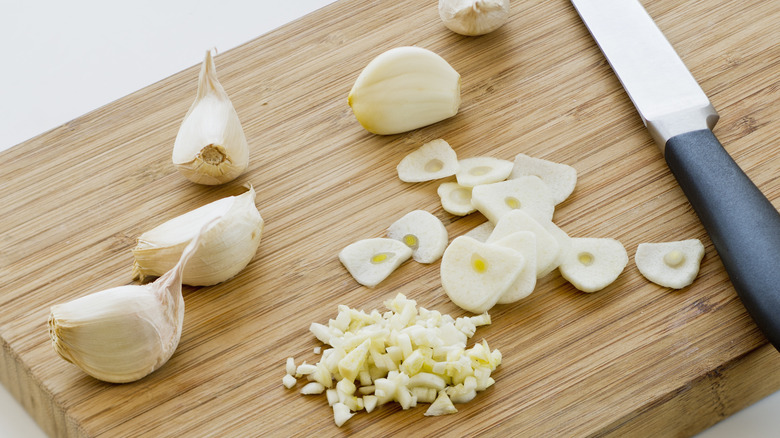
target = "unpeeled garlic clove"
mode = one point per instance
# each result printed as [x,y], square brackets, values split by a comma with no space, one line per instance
[405,88]
[123,334]
[225,250]
[473,17]
[211,146]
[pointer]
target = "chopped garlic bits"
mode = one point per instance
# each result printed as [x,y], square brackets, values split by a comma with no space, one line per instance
[670,264]
[423,233]
[592,264]
[433,160]
[407,355]
[405,88]
[370,261]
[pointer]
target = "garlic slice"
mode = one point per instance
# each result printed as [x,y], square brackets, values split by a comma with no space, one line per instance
[473,17]
[211,146]
[591,264]
[124,333]
[226,248]
[670,264]
[405,88]
[433,160]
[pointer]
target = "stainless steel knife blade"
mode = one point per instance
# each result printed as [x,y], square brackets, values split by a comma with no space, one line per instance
[664,92]
[742,223]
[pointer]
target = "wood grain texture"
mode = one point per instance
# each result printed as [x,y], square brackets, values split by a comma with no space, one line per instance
[632,359]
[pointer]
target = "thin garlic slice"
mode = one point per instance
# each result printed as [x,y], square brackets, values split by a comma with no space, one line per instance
[405,88]
[481,232]
[423,233]
[593,263]
[475,275]
[523,242]
[370,261]
[473,17]
[547,246]
[124,333]
[482,170]
[211,146]
[455,198]
[226,249]
[560,178]
[528,193]
[670,264]
[432,160]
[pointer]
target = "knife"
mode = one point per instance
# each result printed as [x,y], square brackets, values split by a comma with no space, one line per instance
[742,223]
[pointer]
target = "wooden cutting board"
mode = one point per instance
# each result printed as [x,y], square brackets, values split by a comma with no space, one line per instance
[632,359]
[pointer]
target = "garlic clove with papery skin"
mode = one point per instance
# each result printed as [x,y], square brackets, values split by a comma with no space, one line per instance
[211,146]
[125,333]
[473,17]
[225,250]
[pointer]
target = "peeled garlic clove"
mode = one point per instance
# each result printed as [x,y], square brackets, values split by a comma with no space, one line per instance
[124,333]
[211,147]
[473,17]
[405,88]
[225,250]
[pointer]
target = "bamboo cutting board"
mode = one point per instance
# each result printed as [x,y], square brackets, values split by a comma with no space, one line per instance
[632,359]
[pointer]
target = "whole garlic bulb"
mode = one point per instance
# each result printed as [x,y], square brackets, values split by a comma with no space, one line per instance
[124,333]
[211,146]
[225,249]
[473,17]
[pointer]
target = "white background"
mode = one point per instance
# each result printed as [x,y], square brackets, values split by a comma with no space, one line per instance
[62,59]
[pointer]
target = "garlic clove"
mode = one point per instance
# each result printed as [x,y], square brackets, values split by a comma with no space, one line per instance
[226,248]
[405,88]
[123,334]
[473,17]
[211,146]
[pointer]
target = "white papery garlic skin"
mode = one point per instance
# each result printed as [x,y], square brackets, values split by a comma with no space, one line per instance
[211,147]
[473,17]
[225,249]
[405,88]
[123,334]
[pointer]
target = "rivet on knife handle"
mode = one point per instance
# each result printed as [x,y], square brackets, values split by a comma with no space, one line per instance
[743,224]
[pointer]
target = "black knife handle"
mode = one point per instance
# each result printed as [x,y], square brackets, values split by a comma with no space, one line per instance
[743,225]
